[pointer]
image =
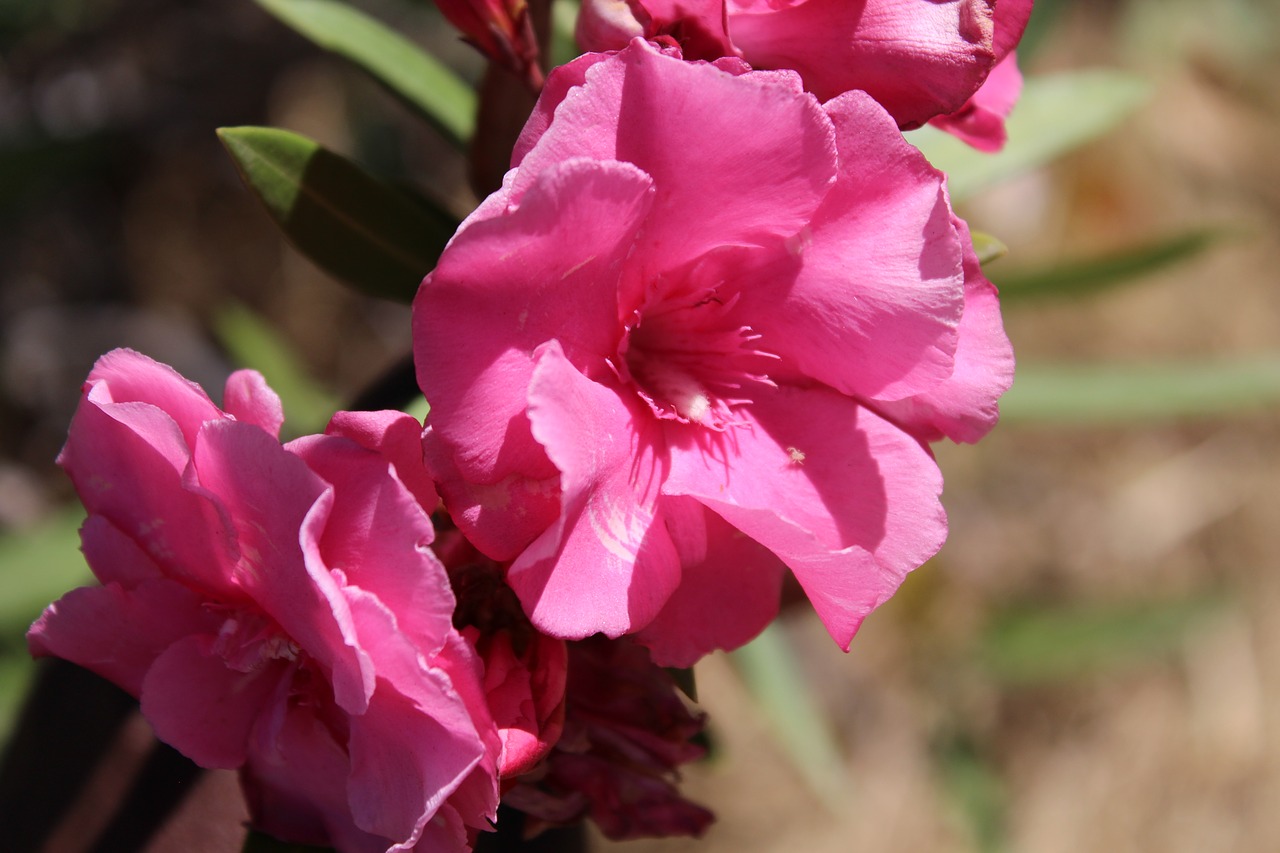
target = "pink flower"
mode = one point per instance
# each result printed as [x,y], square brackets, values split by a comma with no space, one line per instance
[918,58]
[626,734]
[500,29]
[276,609]
[980,122]
[700,336]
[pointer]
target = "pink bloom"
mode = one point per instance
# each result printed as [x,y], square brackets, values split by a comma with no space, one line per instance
[626,734]
[276,609]
[699,336]
[918,58]
[980,122]
[524,671]
[500,29]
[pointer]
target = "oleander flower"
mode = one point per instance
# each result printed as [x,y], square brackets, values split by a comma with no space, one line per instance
[500,29]
[277,609]
[919,58]
[980,122]
[626,734]
[700,336]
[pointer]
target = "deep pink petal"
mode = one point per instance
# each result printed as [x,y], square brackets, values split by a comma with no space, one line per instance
[919,58]
[608,564]
[980,122]
[378,535]
[116,632]
[113,556]
[868,301]
[672,119]
[249,399]
[729,589]
[125,376]
[279,508]
[847,500]
[203,708]
[965,407]
[128,461]
[398,437]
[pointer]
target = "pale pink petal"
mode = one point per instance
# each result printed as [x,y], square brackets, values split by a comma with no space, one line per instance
[672,118]
[919,58]
[125,376]
[248,398]
[868,300]
[965,407]
[116,632]
[279,508]
[729,589]
[980,122]
[396,436]
[608,564]
[847,500]
[203,708]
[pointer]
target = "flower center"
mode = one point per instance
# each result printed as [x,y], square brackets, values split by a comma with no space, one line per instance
[247,641]
[691,360]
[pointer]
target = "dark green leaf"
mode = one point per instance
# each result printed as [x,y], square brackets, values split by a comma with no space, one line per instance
[350,224]
[1042,645]
[683,677]
[411,74]
[1054,115]
[1079,277]
[1122,393]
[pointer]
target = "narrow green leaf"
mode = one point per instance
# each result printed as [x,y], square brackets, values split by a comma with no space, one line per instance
[1049,644]
[414,76]
[1055,115]
[253,343]
[988,248]
[1079,277]
[37,566]
[1123,393]
[976,790]
[772,674]
[16,669]
[349,223]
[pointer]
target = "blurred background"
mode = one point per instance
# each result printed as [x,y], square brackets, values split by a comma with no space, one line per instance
[1091,663]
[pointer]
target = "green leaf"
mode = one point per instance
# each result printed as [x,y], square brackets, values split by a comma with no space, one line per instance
[976,790]
[1038,645]
[350,224]
[1079,277]
[988,248]
[773,675]
[258,842]
[414,76]
[1055,114]
[1123,393]
[683,677]
[16,670]
[253,343]
[37,566]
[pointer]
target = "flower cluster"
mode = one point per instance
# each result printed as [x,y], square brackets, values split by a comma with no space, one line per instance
[701,338]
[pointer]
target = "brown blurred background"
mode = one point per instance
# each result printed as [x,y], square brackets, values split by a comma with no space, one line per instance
[1140,711]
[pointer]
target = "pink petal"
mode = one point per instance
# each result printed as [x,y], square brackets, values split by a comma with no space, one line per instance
[980,122]
[847,500]
[965,408]
[378,534]
[729,589]
[501,290]
[202,707]
[869,299]
[248,398]
[279,508]
[396,436]
[125,376]
[671,118]
[608,564]
[919,58]
[116,632]
[113,556]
